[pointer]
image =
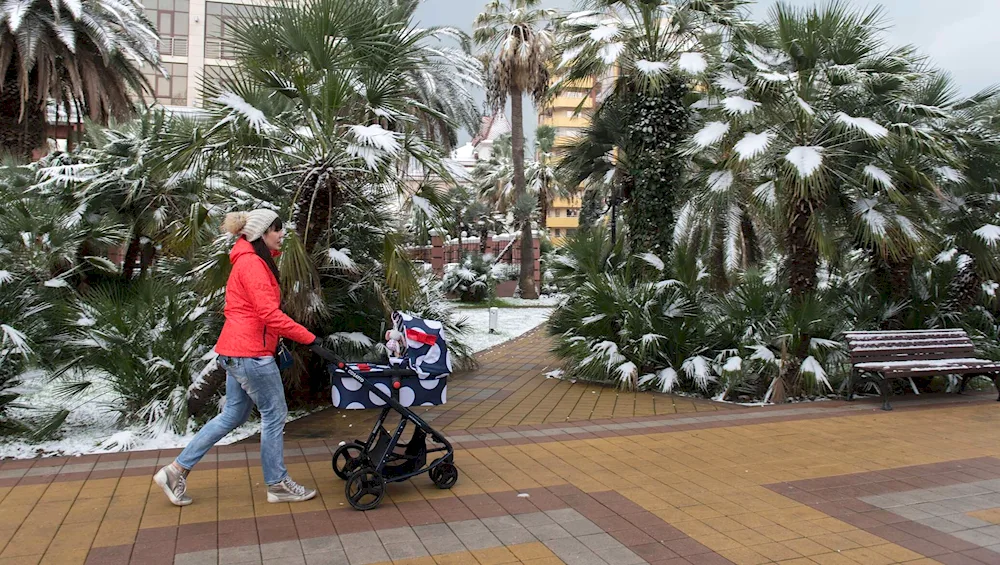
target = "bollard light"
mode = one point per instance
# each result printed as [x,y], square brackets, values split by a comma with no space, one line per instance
[494,313]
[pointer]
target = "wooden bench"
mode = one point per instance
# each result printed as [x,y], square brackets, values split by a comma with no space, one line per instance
[878,357]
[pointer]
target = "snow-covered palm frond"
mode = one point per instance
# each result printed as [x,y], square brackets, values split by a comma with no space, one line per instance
[241,109]
[753,144]
[865,125]
[342,258]
[652,260]
[712,133]
[812,368]
[989,233]
[699,370]
[805,160]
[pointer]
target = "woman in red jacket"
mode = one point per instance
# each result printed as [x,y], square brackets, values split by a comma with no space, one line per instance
[246,349]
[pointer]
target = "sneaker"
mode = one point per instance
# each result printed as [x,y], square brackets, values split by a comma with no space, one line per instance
[289,491]
[174,485]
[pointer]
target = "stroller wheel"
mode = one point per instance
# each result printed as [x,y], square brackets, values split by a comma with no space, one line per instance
[365,488]
[444,475]
[347,459]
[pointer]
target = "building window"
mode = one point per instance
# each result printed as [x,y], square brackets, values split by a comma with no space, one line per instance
[570,232]
[558,232]
[213,75]
[570,113]
[171,89]
[574,94]
[571,213]
[171,20]
[219,20]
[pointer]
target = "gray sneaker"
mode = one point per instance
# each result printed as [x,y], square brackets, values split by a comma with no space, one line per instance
[289,491]
[174,485]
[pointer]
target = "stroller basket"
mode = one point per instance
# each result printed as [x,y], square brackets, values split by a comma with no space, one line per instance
[418,378]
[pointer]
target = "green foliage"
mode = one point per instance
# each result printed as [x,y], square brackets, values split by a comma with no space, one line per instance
[144,342]
[471,280]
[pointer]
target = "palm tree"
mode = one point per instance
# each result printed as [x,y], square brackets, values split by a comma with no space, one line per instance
[644,48]
[122,172]
[518,50]
[83,55]
[541,174]
[328,142]
[970,211]
[789,122]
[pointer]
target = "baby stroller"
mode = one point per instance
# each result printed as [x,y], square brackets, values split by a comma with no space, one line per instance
[418,377]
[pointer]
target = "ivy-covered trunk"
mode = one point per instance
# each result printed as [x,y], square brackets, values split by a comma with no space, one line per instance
[659,123]
[590,208]
[964,288]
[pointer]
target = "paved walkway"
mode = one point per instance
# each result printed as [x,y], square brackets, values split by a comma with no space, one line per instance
[568,478]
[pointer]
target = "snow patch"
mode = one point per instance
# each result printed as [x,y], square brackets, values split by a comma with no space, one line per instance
[712,133]
[693,63]
[879,176]
[989,233]
[738,105]
[238,106]
[651,68]
[806,159]
[864,125]
[610,53]
[753,144]
[720,181]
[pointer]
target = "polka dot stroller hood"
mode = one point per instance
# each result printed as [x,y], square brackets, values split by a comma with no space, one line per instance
[426,348]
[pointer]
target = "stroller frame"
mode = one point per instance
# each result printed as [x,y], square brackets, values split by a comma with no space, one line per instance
[367,466]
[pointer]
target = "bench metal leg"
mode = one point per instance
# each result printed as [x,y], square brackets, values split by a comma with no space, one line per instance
[965,383]
[851,383]
[885,389]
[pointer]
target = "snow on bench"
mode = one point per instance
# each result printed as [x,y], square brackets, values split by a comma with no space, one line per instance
[878,357]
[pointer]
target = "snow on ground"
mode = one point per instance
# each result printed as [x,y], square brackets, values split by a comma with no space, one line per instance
[511,322]
[90,427]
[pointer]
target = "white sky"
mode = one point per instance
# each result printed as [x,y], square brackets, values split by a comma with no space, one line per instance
[958,35]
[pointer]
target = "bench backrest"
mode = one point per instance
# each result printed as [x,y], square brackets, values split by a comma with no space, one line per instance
[914,345]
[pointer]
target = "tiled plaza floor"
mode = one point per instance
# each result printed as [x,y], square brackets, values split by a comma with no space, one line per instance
[554,472]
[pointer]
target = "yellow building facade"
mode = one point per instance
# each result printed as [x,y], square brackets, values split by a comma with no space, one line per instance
[567,113]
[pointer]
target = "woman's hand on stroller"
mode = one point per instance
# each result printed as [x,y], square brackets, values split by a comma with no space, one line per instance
[324,353]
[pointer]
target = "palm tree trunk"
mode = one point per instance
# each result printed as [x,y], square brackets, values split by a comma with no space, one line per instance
[314,210]
[803,257]
[527,279]
[751,245]
[543,207]
[20,136]
[717,259]
[131,255]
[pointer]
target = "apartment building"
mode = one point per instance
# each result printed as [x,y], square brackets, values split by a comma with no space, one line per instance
[567,113]
[196,42]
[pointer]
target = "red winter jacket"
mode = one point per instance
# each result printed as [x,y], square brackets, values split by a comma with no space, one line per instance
[254,320]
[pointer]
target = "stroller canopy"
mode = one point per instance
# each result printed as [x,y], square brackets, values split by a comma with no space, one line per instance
[426,347]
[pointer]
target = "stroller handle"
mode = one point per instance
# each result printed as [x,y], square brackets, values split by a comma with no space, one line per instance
[325,354]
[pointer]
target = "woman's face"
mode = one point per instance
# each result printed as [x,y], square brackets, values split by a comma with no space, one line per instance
[272,238]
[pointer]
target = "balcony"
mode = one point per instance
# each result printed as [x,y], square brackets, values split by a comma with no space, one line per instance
[219,49]
[174,46]
[563,121]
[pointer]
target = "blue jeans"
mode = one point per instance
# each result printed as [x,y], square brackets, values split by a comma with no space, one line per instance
[249,381]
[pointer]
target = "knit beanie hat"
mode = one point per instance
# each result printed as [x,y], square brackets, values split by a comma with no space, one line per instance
[251,225]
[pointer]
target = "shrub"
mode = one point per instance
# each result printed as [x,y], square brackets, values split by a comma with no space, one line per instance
[471,280]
